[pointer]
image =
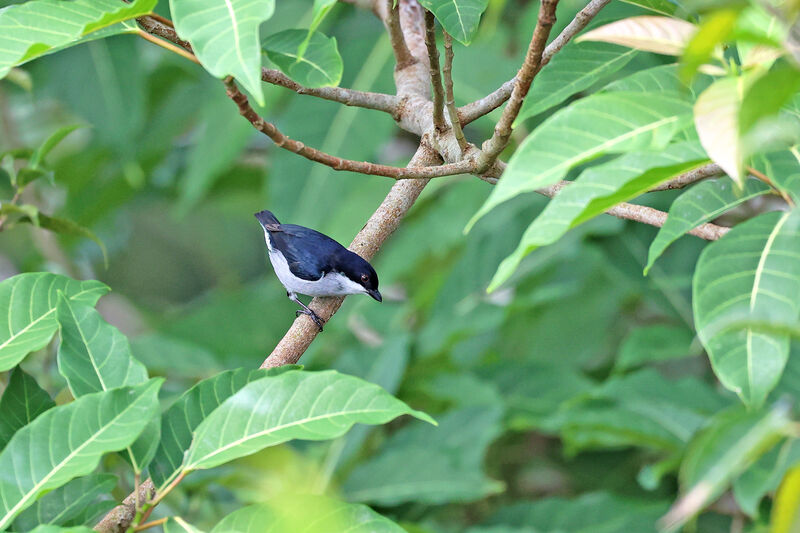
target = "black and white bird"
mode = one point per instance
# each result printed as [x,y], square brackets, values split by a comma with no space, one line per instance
[311,263]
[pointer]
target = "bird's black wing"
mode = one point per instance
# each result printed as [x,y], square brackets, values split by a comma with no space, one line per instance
[310,254]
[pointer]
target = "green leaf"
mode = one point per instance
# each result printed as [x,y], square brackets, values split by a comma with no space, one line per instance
[715,29]
[93,355]
[68,441]
[182,418]
[577,67]
[701,203]
[764,475]
[37,158]
[35,28]
[176,524]
[319,66]
[459,18]
[662,79]
[664,7]
[431,465]
[291,513]
[661,35]
[597,189]
[654,343]
[321,10]
[733,441]
[65,504]
[767,95]
[225,37]
[22,401]
[598,124]
[292,405]
[48,528]
[29,302]
[783,168]
[785,518]
[751,274]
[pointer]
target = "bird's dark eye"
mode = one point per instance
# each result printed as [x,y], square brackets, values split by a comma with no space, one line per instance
[365,277]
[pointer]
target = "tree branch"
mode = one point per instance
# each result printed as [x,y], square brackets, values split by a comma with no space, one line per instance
[489,103]
[383,222]
[687,178]
[436,77]
[450,102]
[402,55]
[530,67]
[120,517]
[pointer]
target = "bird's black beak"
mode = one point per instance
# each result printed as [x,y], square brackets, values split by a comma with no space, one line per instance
[375,294]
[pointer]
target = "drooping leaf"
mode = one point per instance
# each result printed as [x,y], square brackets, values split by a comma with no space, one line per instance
[68,441]
[37,158]
[596,190]
[319,66]
[459,18]
[29,302]
[751,274]
[225,37]
[67,227]
[577,67]
[654,343]
[291,405]
[429,464]
[292,514]
[662,35]
[724,449]
[182,418]
[35,28]
[62,506]
[22,401]
[599,124]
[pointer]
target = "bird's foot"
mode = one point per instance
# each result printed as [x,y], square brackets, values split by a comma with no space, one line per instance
[312,315]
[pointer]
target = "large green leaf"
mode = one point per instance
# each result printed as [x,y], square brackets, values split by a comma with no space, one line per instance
[68,441]
[459,18]
[703,202]
[577,67]
[599,124]
[29,302]
[182,418]
[752,274]
[35,28]
[65,504]
[292,405]
[22,401]
[306,514]
[319,66]
[596,190]
[432,465]
[224,36]
[783,168]
[93,355]
[661,79]
[665,7]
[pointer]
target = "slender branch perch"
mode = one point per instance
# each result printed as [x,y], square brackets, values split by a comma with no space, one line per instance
[687,178]
[436,77]
[450,102]
[402,55]
[530,67]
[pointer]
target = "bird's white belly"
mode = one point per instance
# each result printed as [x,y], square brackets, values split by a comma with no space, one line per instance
[331,284]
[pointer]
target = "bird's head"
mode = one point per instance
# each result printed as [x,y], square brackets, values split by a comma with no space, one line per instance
[361,272]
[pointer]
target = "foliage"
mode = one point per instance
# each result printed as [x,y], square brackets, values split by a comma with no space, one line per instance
[564,371]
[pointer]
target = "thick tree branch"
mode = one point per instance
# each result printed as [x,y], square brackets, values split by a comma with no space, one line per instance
[450,101]
[530,67]
[120,517]
[378,228]
[436,76]
[489,103]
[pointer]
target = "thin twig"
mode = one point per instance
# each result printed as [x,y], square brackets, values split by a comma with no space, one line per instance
[436,76]
[530,67]
[450,102]
[763,177]
[402,55]
[168,46]
[337,163]
[150,524]
[489,103]
[687,178]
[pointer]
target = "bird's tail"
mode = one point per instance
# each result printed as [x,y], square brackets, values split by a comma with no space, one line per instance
[266,217]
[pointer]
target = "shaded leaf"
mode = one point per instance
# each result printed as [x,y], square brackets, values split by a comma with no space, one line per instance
[459,18]
[598,124]
[783,169]
[577,67]
[29,302]
[33,29]
[764,475]
[67,227]
[662,35]
[22,401]
[767,95]
[654,343]
[698,205]
[224,37]
[37,158]
[292,405]
[65,504]
[292,514]
[319,66]
[68,441]
[751,274]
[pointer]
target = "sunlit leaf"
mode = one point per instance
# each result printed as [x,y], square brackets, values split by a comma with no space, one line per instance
[701,203]
[68,441]
[714,30]
[785,517]
[662,35]
[22,401]
[319,66]
[225,37]
[750,274]
[459,18]
[29,302]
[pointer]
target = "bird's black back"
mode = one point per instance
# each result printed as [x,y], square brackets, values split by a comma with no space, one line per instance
[311,254]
